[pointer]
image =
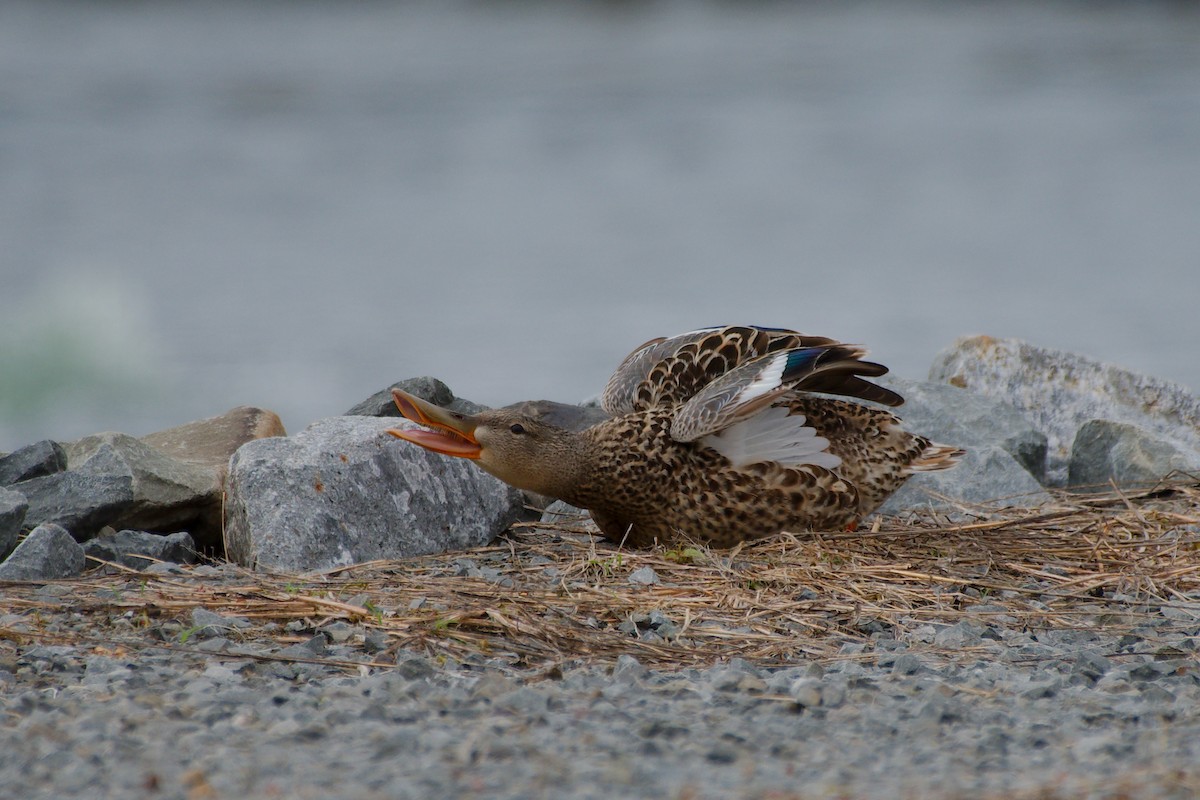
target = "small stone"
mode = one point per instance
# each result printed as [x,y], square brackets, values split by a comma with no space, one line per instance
[524,700]
[1181,612]
[338,632]
[141,549]
[208,624]
[961,634]
[1091,666]
[645,576]
[49,552]
[415,668]
[1153,693]
[1150,671]
[941,709]
[562,513]
[722,754]
[317,644]
[375,641]
[833,692]
[1043,690]
[907,664]
[628,668]
[807,692]
[491,685]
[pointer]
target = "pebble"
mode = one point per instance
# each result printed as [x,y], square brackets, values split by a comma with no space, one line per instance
[645,576]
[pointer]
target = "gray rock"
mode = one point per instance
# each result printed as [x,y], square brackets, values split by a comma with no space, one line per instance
[1091,666]
[1125,454]
[209,444]
[139,549]
[165,482]
[13,506]
[961,634]
[560,512]
[208,624]
[32,461]
[806,692]
[48,552]
[987,475]
[628,668]
[344,491]
[429,389]
[646,576]
[87,496]
[1061,391]
[950,415]
[168,493]
[1005,455]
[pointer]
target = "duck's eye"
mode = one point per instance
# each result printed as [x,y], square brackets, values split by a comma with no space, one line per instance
[517,428]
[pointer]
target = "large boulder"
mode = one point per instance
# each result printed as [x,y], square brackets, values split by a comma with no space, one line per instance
[344,491]
[1060,392]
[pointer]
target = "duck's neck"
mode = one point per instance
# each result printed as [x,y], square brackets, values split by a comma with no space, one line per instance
[575,475]
[559,468]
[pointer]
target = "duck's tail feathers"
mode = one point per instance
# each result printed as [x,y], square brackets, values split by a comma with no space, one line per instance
[937,457]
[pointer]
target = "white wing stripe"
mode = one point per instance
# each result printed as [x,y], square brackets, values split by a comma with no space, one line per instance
[772,435]
[767,381]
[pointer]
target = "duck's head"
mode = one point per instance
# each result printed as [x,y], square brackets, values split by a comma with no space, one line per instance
[517,448]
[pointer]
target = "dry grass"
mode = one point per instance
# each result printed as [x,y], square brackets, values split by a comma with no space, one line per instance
[559,596]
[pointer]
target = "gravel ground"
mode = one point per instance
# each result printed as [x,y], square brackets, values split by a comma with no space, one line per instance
[222,708]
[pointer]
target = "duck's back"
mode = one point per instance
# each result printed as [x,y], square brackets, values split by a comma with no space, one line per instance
[645,487]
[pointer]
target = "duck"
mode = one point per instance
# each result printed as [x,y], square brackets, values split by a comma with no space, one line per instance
[715,436]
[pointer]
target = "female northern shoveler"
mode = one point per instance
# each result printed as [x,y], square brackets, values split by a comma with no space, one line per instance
[716,436]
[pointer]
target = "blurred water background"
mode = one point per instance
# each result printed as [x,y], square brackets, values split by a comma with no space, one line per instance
[293,204]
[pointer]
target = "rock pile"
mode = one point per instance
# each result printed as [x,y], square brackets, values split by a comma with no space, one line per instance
[1101,423]
[342,491]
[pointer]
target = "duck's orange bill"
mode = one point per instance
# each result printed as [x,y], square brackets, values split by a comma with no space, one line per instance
[445,432]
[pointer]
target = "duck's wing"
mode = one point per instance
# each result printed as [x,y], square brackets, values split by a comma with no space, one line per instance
[666,372]
[745,390]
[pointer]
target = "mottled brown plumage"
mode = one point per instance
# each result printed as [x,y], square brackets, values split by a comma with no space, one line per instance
[716,437]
